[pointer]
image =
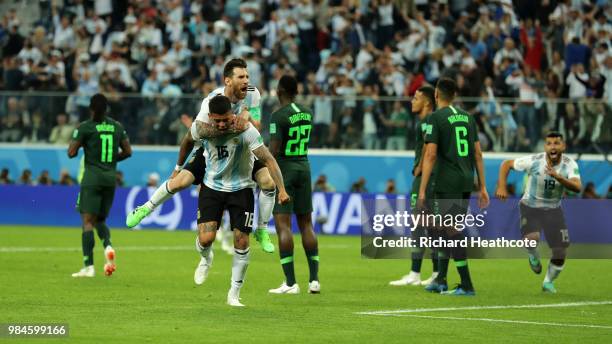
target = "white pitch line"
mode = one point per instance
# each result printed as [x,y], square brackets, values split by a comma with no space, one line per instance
[446,309]
[126,248]
[501,321]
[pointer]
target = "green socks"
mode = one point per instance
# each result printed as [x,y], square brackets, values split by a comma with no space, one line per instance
[103,233]
[313,264]
[88,242]
[287,264]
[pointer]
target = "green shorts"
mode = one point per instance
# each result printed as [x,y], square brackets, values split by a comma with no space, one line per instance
[414,194]
[96,200]
[296,174]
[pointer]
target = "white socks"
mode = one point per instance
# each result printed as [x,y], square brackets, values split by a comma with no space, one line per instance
[203,250]
[265,204]
[240,263]
[160,195]
[553,272]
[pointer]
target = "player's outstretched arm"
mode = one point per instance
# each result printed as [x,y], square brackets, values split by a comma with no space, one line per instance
[483,200]
[126,150]
[501,191]
[263,154]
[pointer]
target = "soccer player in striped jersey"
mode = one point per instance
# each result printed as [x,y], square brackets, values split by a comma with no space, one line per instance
[246,105]
[549,175]
[228,185]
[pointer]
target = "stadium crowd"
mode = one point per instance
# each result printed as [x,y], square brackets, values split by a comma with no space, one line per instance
[523,67]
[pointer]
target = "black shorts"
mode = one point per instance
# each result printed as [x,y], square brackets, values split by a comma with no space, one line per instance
[96,200]
[197,166]
[446,204]
[240,204]
[551,221]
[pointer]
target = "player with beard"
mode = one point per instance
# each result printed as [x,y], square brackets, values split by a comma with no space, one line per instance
[549,175]
[245,100]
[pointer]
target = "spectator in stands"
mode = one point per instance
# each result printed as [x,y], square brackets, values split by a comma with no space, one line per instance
[44,179]
[390,188]
[152,180]
[36,131]
[359,186]
[397,125]
[321,185]
[589,191]
[62,132]
[26,178]
[5,177]
[65,178]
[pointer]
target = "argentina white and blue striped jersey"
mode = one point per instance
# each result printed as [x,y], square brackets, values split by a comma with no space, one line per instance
[252,102]
[229,160]
[542,190]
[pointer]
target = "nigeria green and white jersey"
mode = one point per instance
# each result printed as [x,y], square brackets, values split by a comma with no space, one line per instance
[252,102]
[542,190]
[229,160]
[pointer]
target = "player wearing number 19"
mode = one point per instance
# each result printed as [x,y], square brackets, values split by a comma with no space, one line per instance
[101,137]
[549,175]
[290,128]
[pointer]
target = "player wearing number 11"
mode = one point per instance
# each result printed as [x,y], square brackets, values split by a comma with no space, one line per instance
[101,137]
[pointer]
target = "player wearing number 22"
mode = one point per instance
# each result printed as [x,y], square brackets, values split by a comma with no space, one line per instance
[290,128]
[101,137]
[549,175]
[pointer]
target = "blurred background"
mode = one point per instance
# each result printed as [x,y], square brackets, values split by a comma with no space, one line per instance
[523,68]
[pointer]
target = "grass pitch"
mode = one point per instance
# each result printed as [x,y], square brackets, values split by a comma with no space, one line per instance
[152,297]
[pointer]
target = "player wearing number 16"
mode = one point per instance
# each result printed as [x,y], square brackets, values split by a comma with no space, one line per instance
[101,138]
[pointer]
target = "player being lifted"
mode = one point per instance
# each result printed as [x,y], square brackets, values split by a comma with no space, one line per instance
[246,104]
[451,144]
[290,128]
[422,104]
[549,174]
[228,185]
[101,137]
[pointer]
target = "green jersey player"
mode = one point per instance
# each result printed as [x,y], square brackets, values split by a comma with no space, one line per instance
[101,137]
[422,104]
[290,128]
[452,145]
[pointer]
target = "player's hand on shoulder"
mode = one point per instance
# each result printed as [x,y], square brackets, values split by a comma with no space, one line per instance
[283,197]
[240,124]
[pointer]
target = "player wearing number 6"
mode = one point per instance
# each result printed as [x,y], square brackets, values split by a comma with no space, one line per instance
[452,146]
[549,175]
[101,137]
[290,128]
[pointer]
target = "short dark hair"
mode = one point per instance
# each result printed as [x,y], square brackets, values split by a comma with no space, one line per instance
[428,92]
[98,104]
[228,70]
[219,105]
[288,84]
[554,134]
[447,88]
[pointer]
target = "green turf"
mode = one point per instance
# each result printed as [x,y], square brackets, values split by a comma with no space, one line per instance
[152,297]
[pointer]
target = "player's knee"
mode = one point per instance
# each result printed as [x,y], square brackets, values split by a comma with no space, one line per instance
[558,254]
[207,233]
[265,181]
[241,240]
[182,181]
